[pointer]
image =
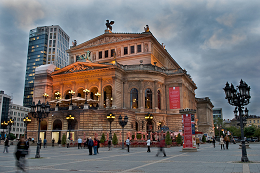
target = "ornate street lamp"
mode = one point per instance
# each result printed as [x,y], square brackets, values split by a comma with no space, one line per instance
[4,125]
[110,117]
[10,123]
[39,111]
[57,97]
[45,96]
[86,91]
[26,121]
[70,118]
[71,92]
[239,97]
[98,94]
[122,123]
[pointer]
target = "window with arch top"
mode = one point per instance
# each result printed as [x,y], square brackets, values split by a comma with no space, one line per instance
[159,99]
[148,98]
[134,98]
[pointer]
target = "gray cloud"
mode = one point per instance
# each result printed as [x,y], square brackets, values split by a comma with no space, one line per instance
[215,41]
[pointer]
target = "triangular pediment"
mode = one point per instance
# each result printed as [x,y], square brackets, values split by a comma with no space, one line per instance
[80,67]
[109,38]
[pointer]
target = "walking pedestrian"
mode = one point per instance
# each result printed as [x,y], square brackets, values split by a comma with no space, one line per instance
[6,144]
[90,145]
[127,142]
[221,142]
[68,142]
[148,145]
[98,145]
[198,142]
[45,143]
[33,140]
[161,148]
[95,144]
[213,141]
[52,142]
[59,143]
[79,143]
[84,142]
[227,140]
[21,152]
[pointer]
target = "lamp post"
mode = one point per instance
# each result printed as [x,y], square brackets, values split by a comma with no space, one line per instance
[86,91]
[26,121]
[4,124]
[57,97]
[39,111]
[10,123]
[110,117]
[149,119]
[45,96]
[71,92]
[122,123]
[69,118]
[239,97]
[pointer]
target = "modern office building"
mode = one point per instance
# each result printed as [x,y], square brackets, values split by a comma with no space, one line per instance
[47,45]
[217,112]
[18,113]
[5,102]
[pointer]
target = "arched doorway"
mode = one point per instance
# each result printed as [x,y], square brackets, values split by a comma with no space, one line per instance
[56,130]
[43,129]
[94,99]
[107,95]
[149,126]
[71,129]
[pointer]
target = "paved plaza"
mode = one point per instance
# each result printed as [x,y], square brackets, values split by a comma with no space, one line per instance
[206,160]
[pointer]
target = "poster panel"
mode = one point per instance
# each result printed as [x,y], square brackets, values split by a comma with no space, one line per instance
[188,142]
[174,97]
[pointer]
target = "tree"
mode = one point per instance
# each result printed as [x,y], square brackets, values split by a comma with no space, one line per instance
[179,139]
[257,133]
[203,138]
[114,140]
[103,139]
[63,139]
[249,131]
[168,139]
[12,136]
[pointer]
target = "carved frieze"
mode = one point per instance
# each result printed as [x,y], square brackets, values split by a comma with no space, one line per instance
[107,40]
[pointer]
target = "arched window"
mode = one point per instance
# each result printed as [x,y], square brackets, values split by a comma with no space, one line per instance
[159,99]
[148,98]
[134,98]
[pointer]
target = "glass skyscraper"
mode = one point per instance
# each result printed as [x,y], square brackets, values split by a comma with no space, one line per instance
[47,45]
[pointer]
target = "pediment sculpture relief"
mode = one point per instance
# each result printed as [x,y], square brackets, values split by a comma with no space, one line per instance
[77,68]
[108,40]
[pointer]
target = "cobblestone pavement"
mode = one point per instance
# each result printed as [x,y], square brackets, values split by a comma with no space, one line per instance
[206,160]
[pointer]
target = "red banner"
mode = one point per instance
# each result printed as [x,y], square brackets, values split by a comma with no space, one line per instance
[174,97]
[187,131]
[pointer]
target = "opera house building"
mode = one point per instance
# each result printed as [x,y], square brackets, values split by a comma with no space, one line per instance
[127,74]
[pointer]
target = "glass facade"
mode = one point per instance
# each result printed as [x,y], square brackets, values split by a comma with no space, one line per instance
[5,109]
[37,53]
[47,45]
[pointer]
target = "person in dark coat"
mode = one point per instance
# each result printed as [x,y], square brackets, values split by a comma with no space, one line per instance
[21,152]
[98,144]
[90,145]
[52,142]
[59,142]
[6,143]
[161,148]
[214,141]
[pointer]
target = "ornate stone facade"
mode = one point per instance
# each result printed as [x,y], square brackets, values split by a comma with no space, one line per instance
[132,72]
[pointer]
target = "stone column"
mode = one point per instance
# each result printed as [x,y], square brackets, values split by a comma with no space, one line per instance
[101,97]
[114,93]
[74,58]
[141,96]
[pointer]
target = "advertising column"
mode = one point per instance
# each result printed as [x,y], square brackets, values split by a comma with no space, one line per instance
[187,131]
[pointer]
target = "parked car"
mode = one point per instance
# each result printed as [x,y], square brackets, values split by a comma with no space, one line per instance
[254,139]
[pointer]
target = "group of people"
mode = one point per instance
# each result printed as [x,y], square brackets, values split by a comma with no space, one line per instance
[88,143]
[224,140]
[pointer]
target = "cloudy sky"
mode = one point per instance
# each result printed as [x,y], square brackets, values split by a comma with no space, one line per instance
[214,40]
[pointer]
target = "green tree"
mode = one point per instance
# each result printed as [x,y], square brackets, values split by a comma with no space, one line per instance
[203,138]
[63,139]
[103,139]
[257,133]
[249,131]
[12,136]
[168,139]
[114,140]
[179,139]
